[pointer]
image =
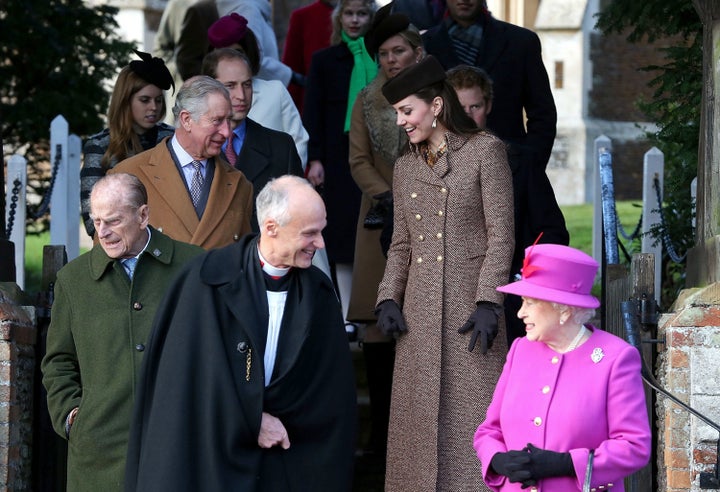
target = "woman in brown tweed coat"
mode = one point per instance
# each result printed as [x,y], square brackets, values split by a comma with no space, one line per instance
[451,247]
[375,144]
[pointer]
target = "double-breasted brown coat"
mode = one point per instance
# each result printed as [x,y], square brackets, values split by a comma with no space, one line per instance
[451,247]
[375,142]
[229,206]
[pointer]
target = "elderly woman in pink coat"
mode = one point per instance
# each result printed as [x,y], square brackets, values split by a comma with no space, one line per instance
[569,393]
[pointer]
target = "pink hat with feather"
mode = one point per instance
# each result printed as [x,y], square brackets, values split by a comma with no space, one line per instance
[556,273]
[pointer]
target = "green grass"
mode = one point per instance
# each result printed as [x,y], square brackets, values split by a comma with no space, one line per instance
[579,222]
[33,260]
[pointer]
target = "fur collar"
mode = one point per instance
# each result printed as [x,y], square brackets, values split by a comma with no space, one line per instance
[387,139]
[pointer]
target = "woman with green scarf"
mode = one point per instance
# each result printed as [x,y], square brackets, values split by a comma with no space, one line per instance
[337,74]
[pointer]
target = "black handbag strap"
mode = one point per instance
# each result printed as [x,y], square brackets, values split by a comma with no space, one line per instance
[588,471]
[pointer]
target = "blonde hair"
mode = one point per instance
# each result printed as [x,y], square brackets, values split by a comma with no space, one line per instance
[336,36]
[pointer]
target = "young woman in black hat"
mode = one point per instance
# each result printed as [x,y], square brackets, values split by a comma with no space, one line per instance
[451,247]
[137,108]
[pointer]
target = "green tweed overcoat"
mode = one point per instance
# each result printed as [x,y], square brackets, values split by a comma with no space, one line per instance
[95,345]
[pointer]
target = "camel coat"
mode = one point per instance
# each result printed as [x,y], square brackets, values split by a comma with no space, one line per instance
[451,247]
[229,206]
[375,142]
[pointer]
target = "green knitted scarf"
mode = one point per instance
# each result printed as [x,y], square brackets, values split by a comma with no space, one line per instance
[364,70]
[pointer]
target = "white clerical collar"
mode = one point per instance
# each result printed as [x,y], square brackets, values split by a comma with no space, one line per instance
[272,270]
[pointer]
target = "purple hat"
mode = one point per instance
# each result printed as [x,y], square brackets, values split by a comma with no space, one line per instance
[227,30]
[556,273]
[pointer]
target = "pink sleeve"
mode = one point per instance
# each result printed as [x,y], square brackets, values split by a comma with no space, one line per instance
[627,448]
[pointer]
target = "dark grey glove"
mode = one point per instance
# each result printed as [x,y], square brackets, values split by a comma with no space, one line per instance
[484,325]
[513,464]
[544,463]
[390,318]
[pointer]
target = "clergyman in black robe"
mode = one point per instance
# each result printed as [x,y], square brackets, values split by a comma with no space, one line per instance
[234,397]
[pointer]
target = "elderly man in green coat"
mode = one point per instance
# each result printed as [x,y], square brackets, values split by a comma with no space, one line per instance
[105,301]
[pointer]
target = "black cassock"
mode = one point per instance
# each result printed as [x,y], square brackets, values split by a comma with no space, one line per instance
[201,392]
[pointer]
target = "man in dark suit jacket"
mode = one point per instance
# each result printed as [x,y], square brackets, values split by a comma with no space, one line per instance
[511,56]
[195,196]
[259,152]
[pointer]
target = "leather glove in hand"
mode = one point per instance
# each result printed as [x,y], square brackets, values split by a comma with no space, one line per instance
[379,213]
[544,463]
[513,464]
[484,325]
[390,318]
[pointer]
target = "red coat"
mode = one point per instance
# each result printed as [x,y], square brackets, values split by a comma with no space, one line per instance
[309,30]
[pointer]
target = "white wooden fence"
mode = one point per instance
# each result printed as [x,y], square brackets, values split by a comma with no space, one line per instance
[653,168]
[64,201]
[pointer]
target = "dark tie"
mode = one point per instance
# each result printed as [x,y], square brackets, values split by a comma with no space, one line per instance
[230,150]
[197,183]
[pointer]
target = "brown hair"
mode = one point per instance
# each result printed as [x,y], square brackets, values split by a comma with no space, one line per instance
[213,59]
[452,115]
[467,77]
[123,139]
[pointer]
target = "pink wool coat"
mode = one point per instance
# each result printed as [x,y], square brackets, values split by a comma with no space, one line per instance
[590,398]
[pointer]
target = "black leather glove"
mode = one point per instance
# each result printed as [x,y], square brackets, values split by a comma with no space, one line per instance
[377,215]
[390,318]
[544,463]
[384,197]
[513,464]
[484,325]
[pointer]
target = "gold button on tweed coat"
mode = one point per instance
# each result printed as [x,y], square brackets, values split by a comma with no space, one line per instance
[452,245]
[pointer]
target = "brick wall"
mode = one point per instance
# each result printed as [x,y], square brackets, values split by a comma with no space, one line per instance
[689,368]
[17,362]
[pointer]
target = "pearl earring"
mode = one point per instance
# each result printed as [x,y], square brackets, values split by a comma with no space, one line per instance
[434,123]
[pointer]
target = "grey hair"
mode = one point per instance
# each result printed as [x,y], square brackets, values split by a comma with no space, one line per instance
[193,96]
[578,315]
[274,199]
[129,189]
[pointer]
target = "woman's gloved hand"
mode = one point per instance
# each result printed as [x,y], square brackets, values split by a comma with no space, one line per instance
[513,464]
[390,318]
[544,463]
[484,325]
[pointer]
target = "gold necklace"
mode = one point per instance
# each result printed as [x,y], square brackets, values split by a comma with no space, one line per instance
[432,157]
